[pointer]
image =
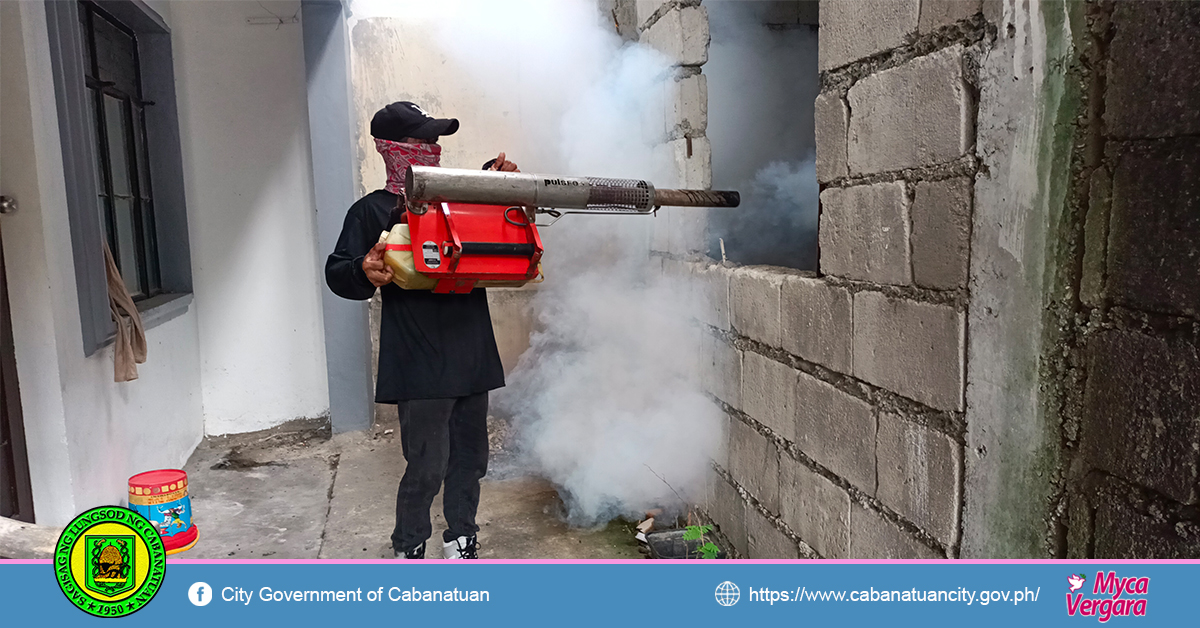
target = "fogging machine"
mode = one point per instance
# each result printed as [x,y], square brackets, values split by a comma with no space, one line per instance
[477,228]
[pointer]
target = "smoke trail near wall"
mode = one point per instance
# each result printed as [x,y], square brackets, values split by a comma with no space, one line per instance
[607,394]
[608,390]
[777,223]
[762,81]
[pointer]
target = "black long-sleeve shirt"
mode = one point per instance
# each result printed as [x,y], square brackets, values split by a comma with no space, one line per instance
[431,346]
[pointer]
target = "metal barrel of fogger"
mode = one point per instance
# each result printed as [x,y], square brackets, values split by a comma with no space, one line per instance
[425,184]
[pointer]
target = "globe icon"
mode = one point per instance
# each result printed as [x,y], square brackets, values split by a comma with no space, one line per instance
[728,593]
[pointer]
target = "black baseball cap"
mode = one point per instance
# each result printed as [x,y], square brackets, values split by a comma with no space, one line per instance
[404,119]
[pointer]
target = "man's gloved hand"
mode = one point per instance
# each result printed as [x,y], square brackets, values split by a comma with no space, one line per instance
[378,273]
[503,165]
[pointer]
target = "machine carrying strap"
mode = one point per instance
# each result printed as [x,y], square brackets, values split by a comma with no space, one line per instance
[520,249]
[398,215]
[481,248]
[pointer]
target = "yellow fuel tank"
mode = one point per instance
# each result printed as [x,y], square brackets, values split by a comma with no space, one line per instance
[400,258]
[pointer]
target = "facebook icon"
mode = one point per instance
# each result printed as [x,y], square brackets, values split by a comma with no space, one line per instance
[200,594]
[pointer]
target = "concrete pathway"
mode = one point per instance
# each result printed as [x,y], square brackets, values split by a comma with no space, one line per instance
[294,492]
[19,539]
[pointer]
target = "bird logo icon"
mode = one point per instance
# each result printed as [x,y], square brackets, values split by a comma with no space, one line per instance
[1076,581]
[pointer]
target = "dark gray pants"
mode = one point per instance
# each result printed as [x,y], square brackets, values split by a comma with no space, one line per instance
[444,440]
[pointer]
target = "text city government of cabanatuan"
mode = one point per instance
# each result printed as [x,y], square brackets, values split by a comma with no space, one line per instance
[392,594]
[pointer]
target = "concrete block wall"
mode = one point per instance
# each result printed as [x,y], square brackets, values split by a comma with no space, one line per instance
[1132,455]
[845,405]
[999,355]
[845,388]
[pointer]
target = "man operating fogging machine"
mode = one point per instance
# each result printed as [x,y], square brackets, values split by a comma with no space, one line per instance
[438,356]
[437,353]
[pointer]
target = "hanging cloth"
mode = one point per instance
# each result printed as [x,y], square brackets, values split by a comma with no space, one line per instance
[129,349]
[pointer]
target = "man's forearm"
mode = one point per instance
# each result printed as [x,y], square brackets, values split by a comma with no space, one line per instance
[346,278]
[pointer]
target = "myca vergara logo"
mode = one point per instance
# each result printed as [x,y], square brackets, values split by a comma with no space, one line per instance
[1112,596]
[110,561]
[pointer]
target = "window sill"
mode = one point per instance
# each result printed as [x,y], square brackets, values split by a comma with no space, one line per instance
[157,310]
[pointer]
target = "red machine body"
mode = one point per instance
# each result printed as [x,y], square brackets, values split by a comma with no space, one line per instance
[460,244]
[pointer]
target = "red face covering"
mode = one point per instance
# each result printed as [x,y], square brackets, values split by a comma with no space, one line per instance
[398,156]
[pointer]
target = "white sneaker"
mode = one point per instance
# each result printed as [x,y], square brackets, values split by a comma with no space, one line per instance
[462,547]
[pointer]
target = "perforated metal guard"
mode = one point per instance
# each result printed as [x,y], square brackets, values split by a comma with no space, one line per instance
[619,195]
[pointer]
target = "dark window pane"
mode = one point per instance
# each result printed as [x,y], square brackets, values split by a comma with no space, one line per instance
[101,183]
[151,247]
[93,140]
[117,135]
[110,230]
[127,252]
[115,55]
[118,139]
[139,144]
[85,37]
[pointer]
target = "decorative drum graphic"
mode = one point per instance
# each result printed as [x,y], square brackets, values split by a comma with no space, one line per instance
[161,497]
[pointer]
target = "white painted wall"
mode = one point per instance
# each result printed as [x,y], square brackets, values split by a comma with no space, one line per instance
[396,59]
[256,271]
[249,351]
[85,434]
